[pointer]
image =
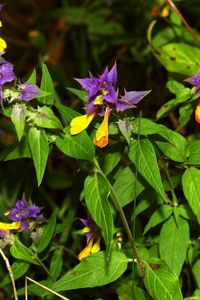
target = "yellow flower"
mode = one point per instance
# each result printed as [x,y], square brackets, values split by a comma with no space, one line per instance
[101,137]
[3,45]
[80,123]
[197,113]
[92,247]
[11,226]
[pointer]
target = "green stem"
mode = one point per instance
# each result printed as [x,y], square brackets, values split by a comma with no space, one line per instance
[44,268]
[123,219]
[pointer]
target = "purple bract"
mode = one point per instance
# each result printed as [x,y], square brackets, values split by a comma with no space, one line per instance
[6,72]
[28,91]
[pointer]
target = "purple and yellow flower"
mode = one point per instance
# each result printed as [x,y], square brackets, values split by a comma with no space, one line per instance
[103,98]
[195,80]
[93,237]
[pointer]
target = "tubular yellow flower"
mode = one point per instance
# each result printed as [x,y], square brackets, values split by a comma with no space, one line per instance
[11,226]
[101,136]
[87,250]
[197,113]
[80,123]
[3,45]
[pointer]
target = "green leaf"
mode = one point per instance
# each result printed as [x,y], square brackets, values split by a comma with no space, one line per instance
[109,158]
[144,126]
[94,271]
[78,146]
[18,117]
[19,269]
[46,86]
[56,263]
[174,240]
[19,251]
[179,58]
[127,186]
[191,189]
[96,197]
[129,290]
[66,112]
[159,216]
[161,283]
[142,154]
[185,113]
[46,118]
[194,153]
[17,150]
[33,77]
[40,150]
[48,232]
[81,94]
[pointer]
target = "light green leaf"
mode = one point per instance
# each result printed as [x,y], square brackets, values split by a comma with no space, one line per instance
[19,251]
[33,77]
[94,271]
[46,118]
[179,58]
[40,150]
[185,113]
[174,239]
[48,232]
[142,154]
[194,153]
[127,187]
[96,192]
[66,112]
[159,216]
[161,283]
[46,86]
[81,94]
[78,146]
[191,189]
[18,117]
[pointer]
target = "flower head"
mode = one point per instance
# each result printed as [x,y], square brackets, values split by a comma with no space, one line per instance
[103,98]
[194,80]
[24,214]
[6,72]
[93,238]
[28,91]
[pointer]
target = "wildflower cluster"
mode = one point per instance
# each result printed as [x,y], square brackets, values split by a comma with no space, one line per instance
[24,217]
[103,98]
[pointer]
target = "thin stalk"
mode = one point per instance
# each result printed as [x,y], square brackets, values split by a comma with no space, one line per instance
[44,268]
[177,11]
[10,273]
[124,221]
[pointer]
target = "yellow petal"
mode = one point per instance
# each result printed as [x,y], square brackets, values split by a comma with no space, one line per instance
[11,226]
[80,123]
[98,100]
[101,137]
[87,250]
[96,247]
[197,114]
[3,45]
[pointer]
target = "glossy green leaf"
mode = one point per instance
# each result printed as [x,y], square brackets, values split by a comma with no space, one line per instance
[96,191]
[46,86]
[48,232]
[173,244]
[94,271]
[39,149]
[18,117]
[191,189]
[142,154]
[159,216]
[78,146]
[161,283]
[127,187]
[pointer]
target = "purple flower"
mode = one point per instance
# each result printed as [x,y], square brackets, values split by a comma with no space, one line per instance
[101,90]
[194,80]
[28,91]
[6,72]
[130,99]
[25,214]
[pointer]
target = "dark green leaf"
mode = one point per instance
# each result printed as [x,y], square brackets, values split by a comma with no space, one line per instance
[21,252]
[19,269]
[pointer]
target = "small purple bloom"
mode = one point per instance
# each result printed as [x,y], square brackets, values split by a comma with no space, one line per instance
[3,233]
[130,99]
[28,91]
[101,90]
[90,228]
[25,214]
[194,80]
[6,72]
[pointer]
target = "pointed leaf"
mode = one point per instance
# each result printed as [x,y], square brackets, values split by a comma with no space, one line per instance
[18,117]
[46,86]
[96,197]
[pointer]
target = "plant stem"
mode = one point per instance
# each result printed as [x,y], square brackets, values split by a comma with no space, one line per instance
[124,220]
[177,11]
[44,268]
